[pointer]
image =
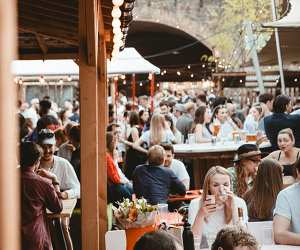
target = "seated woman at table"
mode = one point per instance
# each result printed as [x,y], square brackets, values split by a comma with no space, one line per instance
[175,131]
[119,186]
[261,198]
[253,118]
[217,208]
[244,171]
[221,118]
[37,194]
[234,238]
[199,126]
[158,133]
[287,154]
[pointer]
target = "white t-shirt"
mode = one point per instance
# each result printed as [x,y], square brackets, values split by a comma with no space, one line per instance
[216,221]
[66,176]
[288,206]
[167,138]
[180,170]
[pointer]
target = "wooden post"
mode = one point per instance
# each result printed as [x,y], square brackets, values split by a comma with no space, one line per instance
[9,178]
[133,85]
[91,154]
[102,118]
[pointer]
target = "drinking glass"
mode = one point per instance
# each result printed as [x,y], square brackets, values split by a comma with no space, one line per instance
[216,129]
[162,212]
[197,242]
[191,138]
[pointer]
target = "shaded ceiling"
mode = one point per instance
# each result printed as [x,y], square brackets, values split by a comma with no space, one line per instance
[49,29]
[170,49]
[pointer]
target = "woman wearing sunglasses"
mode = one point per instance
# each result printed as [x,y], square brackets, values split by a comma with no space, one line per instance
[245,169]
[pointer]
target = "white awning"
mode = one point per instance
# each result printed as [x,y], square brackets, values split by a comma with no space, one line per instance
[291,19]
[129,61]
[47,67]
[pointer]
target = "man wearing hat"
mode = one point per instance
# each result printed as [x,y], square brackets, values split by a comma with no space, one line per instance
[59,166]
[246,164]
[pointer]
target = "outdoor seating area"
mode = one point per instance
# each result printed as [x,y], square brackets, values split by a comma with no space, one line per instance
[149,124]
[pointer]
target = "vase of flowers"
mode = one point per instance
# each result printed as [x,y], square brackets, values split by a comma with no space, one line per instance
[136,217]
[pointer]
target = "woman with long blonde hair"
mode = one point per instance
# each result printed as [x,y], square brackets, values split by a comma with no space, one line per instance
[158,133]
[217,207]
[262,197]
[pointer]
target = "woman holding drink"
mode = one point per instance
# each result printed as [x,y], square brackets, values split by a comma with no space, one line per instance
[199,126]
[217,207]
[221,123]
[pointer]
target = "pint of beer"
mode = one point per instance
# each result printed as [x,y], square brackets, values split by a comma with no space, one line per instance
[251,137]
[216,129]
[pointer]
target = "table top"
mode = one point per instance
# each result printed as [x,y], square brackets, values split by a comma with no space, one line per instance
[190,195]
[68,207]
[227,146]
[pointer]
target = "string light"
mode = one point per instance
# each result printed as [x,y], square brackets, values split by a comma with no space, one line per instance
[296,80]
[116,12]
[189,66]
[118,2]
[203,65]
[150,76]
[178,73]
[141,84]
[223,79]
[61,81]
[123,77]
[241,81]
[192,75]
[124,82]
[157,85]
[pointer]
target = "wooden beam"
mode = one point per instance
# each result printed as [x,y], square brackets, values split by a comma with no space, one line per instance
[89,112]
[40,56]
[9,178]
[50,32]
[102,118]
[41,42]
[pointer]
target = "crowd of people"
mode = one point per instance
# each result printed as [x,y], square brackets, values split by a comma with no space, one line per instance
[140,160]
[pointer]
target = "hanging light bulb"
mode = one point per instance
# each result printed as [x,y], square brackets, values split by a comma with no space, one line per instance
[192,75]
[20,81]
[296,80]
[116,78]
[203,65]
[241,81]
[150,76]
[178,73]
[42,80]
[116,12]
[157,85]
[116,23]
[61,81]
[117,2]
[124,82]
[165,71]
[123,77]
[189,66]
[141,84]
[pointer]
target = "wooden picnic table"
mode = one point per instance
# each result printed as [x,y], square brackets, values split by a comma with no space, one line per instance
[59,225]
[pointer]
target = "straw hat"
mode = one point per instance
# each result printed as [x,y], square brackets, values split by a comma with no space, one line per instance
[247,151]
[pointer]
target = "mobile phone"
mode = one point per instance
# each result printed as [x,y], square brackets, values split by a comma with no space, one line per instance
[211,198]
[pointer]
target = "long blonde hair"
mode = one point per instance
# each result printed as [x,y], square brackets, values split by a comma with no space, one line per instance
[206,191]
[157,129]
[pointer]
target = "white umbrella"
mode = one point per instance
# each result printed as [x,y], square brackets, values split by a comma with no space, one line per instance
[290,20]
[129,61]
[47,67]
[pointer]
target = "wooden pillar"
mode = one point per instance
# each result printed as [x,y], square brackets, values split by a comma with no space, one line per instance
[133,85]
[9,178]
[102,118]
[93,118]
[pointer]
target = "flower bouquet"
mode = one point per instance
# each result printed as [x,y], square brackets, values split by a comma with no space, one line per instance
[136,217]
[135,214]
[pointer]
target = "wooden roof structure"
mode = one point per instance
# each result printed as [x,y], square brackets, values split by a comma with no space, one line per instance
[59,29]
[50,29]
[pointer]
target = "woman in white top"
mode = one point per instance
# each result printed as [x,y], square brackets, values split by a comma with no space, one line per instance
[252,119]
[158,133]
[227,126]
[217,207]
[202,118]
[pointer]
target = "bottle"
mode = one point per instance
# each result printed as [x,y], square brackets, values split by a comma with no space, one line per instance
[187,235]
[241,222]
